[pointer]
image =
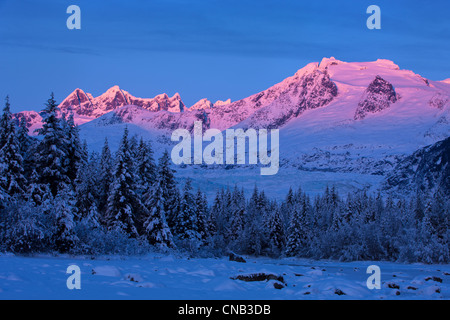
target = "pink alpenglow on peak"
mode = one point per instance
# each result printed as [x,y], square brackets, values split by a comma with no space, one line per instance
[222,103]
[85,105]
[327,62]
[202,104]
[329,92]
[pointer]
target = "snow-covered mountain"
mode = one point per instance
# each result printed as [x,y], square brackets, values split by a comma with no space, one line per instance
[85,105]
[336,119]
[205,104]
[33,120]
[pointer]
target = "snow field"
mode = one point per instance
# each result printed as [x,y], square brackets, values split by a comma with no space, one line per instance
[172,278]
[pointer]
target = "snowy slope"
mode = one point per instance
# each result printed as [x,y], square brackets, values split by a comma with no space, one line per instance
[427,170]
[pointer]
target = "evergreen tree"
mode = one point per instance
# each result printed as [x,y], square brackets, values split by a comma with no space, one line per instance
[51,155]
[145,165]
[253,230]
[286,206]
[133,143]
[237,217]
[86,188]
[155,225]
[26,146]
[92,219]
[123,203]
[12,179]
[211,221]
[277,240]
[170,191]
[201,212]
[5,121]
[65,211]
[75,152]
[187,224]
[38,193]
[105,176]
[298,231]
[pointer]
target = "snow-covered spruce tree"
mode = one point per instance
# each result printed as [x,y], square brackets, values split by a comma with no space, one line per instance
[86,188]
[123,204]
[225,214]
[155,227]
[211,225]
[145,165]
[237,219]
[51,154]
[23,135]
[298,234]
[5,120]
[92,219]
[27,144]
[286,207]
[169,188]
[3,218]
[253,230]
[201,206]
[276,234]
[186,224]
[90,233]
[217,225]
[64,211]
[75,153]
[133,143]
[12,178]
[216,215]
[38,193]
[105,178]
[172,208]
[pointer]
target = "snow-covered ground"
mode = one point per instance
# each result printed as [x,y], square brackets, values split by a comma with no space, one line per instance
[169,277]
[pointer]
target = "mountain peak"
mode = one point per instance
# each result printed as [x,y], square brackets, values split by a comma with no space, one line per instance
[328,62]
[379,95]
[202,104]
[113,88]
[222,103]
[176,96]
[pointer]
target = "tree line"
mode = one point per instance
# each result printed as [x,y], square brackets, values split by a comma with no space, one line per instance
[55,196]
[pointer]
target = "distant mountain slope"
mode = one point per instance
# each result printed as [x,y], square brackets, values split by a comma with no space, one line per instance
[427,170]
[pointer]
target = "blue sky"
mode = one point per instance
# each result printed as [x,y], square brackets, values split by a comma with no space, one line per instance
[209,48]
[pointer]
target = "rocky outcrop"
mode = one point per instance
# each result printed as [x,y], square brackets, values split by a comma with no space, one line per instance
[379,95]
